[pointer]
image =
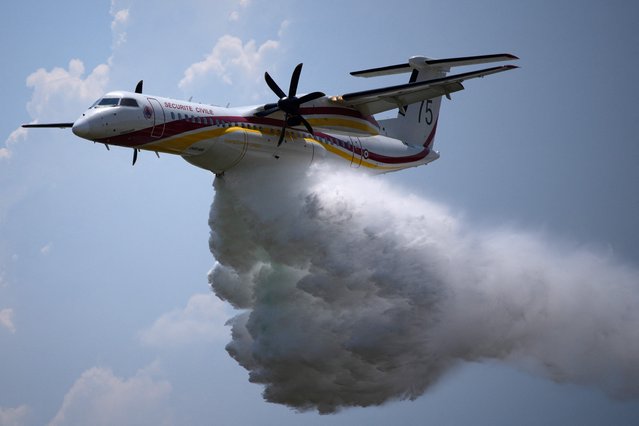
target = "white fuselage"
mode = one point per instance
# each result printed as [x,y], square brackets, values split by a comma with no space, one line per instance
[222,139]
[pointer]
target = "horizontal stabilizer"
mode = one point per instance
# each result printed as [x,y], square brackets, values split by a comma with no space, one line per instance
[387,98]
[417,62]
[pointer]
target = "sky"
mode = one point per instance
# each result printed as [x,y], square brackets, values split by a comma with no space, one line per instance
[105,309]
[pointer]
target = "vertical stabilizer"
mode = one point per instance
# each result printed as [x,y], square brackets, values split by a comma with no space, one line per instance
[416,123]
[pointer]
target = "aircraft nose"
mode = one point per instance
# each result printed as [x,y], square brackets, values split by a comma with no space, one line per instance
[82,128]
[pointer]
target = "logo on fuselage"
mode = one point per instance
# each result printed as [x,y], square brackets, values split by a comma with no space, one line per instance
[148,112]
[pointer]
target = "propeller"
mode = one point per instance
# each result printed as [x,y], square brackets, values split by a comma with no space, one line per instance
[290,104]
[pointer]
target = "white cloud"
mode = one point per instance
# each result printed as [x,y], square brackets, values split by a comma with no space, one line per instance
[13,416]
[63,91]
[16,136]
[60,87]
[118,24]
[283,27]
[6,319]
[202,319]
[45,250]
[235,15]
[99,397]
[230,56]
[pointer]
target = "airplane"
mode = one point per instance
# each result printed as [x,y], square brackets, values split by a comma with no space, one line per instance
[296,129]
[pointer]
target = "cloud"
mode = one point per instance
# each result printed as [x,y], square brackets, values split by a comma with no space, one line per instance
[230,56]
[356,293]
[235,15]
[14,416]
[283,27]
[66,91]
[118,24]
[6,319]
[46,249]
[99,397]
[16,136]
[63,89]
[201,320]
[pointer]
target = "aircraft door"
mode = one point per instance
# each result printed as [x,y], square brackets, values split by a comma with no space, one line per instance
[356,147]
[158,118]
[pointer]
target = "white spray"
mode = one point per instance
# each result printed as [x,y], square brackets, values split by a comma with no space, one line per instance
[356,293]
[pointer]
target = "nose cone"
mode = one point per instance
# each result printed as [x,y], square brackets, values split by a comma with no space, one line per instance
[82,128]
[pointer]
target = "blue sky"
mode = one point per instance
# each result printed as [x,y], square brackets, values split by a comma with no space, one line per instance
[105,311]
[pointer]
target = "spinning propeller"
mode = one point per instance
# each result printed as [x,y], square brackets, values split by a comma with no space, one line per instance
[290,104]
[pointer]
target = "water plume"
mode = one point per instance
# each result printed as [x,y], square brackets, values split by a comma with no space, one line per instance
[354,292]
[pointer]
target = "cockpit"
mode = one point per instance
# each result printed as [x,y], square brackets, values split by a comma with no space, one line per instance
[112,101]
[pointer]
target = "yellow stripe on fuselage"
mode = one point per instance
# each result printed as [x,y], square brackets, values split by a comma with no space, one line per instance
[180,143]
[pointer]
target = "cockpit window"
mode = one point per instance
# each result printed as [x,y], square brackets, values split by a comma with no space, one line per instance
[104,102]
[114,101]
[130,102]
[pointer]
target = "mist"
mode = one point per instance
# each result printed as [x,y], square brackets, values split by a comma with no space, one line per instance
[353,292]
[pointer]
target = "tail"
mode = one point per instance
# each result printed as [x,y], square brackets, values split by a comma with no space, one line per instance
[416,123]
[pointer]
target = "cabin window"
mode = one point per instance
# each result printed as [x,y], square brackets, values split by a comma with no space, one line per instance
[172,115]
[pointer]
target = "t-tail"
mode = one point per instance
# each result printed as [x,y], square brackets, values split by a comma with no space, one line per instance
[416,123]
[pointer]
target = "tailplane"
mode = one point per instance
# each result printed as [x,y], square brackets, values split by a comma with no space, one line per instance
[416,123]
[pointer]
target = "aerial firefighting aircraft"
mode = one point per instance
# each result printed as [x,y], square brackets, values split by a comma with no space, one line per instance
[296,129]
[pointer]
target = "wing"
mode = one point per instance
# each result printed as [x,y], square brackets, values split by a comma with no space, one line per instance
[374,101]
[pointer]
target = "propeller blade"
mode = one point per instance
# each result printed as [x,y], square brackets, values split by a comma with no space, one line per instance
[135,156]
[273,85]
[279,142]
[307,125]
[138,88]
[54,125]
[310,97]
[283,131]
[295,79]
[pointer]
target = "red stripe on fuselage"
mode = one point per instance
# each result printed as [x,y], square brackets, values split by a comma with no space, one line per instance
[177,127]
